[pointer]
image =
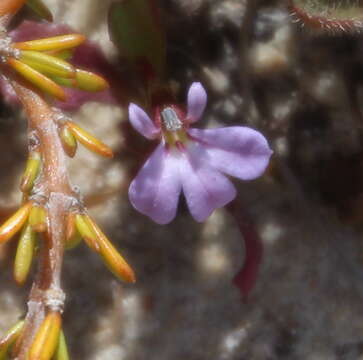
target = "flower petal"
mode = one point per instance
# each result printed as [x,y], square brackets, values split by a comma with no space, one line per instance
[141,122]
[205,188]
[197,101]
[155,190]
[238,151]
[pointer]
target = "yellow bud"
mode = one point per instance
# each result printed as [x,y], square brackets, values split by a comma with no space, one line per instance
[38,218]
[37,79]
[73,237]
[68,140]
[24,254]
[61,42]
[40,8]
[9,339]
[31,171]
[47,64]
[47,338]
[86,232]
[111,257]
[71,83]
[62,350]
[89,141]
[14,223]
[62,54]
[89,81]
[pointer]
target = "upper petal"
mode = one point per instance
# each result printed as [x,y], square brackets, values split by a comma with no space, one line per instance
[238,151]
[155,190]
[205,188]
[197,101]
[141,122]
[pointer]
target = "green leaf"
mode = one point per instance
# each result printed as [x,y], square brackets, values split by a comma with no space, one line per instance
[135,29]
[40,9]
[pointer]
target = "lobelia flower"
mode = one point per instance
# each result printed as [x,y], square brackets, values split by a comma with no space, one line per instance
[192,160]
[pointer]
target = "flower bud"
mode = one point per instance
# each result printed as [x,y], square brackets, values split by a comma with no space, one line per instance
[89,81]
[62,349]
[86,232]
[15,223]
[47,64]
[37,79]
[31,171]
[111,257]
[89,141]
[68,140]
[38,218]
[24,254]
[47,338]
[73,237]
[61,42]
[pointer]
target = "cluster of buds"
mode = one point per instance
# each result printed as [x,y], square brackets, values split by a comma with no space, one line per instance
[31,221]
[71,133]
[38,69]
[44,63]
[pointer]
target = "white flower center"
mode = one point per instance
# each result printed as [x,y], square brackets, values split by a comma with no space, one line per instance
[171,120]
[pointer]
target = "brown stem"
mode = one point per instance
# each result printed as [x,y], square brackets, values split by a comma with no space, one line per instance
[55,193]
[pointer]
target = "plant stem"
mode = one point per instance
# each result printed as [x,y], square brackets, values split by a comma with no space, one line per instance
[55,192]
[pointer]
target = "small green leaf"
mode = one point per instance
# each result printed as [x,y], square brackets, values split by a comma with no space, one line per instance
[40,9]
[135,29]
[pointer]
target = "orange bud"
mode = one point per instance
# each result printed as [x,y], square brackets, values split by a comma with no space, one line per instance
[89,141]
[47,337]
[8,7]
[14,223]
[112,258]
[37,79]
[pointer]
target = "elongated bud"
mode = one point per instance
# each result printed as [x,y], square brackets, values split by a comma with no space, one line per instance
[40,9]
[37,79]
[89,141]
[88,235]
[31,171]
[38,218]
[73,237]
[88,81]
[61,54]
[14,223]
[61,42]
[62,349]
[24,254]
[71,83]
[68,140]
[9,339]
[111,257]
[47,338]
[9,7]
[47,64]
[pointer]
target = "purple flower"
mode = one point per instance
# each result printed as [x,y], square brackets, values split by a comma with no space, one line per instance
[192,160]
